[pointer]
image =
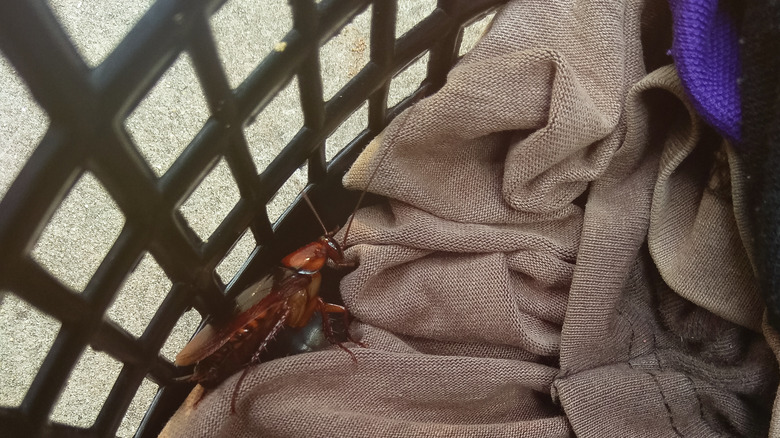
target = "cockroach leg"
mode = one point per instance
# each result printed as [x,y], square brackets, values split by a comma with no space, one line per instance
[256,357]
[325,309]
[271,335]
[347,322]
[335,308]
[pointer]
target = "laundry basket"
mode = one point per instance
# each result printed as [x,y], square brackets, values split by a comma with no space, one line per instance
[87,107]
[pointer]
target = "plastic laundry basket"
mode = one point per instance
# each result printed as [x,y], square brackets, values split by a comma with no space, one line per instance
[85,106]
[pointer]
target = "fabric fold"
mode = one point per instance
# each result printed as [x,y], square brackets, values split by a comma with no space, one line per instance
[537,268]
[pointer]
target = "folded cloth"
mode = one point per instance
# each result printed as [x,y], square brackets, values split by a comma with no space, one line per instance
[560,254]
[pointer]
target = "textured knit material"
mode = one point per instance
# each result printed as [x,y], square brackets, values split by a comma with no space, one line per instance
[560,254]
[706,53]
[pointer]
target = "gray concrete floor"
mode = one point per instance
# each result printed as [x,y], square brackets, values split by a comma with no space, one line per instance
[87,223]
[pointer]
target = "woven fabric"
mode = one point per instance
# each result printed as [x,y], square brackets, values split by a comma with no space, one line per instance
[706,52]
[560,254]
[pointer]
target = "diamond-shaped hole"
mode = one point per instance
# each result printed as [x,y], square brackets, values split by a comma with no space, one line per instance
[87,389]
[275,126]
[96,28]
[407,81]
[182,332]
[25,122]
[345,54]
[26,334]
[211,201]
[245,31]
[411,12]
[351,128]
[229,266]
[287,194]
[169,116]
[473,32]
[80,234]
[141,295]
[137,409]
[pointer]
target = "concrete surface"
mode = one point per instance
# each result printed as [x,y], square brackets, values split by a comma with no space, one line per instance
[88,221]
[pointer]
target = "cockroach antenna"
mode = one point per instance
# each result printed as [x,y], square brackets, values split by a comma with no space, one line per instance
[314,210]
[370,179]
[360,199]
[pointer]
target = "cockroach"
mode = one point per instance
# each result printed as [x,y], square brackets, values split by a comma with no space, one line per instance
[287,298]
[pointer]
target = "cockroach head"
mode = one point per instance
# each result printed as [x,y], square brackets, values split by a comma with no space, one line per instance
[333,248]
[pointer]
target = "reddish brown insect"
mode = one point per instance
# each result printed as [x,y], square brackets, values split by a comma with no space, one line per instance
[288,297]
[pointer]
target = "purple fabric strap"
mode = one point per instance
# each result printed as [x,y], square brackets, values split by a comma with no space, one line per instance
[706,52]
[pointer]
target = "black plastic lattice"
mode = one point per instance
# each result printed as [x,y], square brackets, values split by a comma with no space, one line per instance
[87,107]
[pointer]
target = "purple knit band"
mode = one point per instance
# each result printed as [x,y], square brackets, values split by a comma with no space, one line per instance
[706,53]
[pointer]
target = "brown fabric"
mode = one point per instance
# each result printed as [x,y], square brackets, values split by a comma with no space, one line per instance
[558,256]
[693,224]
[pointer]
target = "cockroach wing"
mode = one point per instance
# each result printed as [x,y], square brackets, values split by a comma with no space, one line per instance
[206,339]
[273,288]
[254,293]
